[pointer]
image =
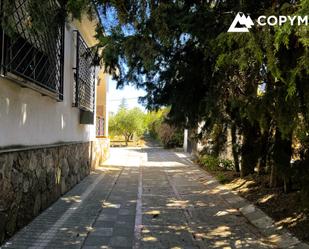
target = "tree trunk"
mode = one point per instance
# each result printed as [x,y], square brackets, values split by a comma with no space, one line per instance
[282,152]
[264,146]
[235,147]
[127,139]
[131,136]
[219,140]
[249,152]
[274,178]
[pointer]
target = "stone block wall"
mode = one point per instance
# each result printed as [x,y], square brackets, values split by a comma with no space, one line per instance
[32,179]
[226,151]
[100,151]
[206,144]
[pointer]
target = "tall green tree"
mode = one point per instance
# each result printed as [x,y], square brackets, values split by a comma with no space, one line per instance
[127,123]
[181,54]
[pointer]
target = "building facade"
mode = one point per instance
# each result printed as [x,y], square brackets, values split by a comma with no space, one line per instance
[51,98]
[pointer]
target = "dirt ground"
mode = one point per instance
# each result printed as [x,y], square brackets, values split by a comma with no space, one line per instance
[120,142]
[287,210]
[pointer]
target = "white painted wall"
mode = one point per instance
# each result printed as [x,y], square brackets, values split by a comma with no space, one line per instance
[28,118]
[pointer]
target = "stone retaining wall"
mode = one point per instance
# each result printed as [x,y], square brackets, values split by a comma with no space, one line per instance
[32,179]
[100,149]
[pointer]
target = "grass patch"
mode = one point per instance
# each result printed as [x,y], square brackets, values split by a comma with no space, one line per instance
[221,169]
[222,178]
[213,163]
[209,162]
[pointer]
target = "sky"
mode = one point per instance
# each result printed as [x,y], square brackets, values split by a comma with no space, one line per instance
[130,93]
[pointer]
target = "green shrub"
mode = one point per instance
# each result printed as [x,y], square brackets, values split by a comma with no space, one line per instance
[213,163]
[210,162]
[221,178]
[226,164]
[170,136]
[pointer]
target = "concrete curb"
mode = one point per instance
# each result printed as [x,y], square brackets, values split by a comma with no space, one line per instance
[277,235]
[266,225]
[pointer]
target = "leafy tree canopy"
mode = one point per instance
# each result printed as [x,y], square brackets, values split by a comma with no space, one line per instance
[127,123]
[181,54]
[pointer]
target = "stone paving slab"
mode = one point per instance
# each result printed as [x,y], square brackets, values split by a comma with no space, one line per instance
[264,224]
[152,198]
[167,237]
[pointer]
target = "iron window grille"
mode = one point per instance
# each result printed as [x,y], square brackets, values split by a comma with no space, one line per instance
[84,76]
[33,58]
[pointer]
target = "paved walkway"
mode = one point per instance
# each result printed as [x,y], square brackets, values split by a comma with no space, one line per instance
[142,198]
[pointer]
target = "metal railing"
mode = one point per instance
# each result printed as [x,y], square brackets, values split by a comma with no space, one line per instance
[32,57]
[84,76]
[99,126]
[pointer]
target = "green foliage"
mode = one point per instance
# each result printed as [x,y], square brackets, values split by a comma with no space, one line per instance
[169,135]
[221,177]
[214,163]
[123,105]
[154,120]
[159,129]
[226,164]
[210,162]
[127,123]
[43,17]
[78,7]
[181,54]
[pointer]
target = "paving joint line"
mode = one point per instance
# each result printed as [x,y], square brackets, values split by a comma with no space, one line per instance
[187,212]
[138,214]
[293,241]
[64,217]
[102,208]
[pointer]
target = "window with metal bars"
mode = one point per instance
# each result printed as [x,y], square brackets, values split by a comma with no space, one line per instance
[84,75]
[33,57]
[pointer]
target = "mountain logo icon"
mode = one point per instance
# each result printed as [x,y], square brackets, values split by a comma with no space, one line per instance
[245,22]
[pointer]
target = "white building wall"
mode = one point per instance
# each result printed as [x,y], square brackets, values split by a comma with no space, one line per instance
[28,118]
